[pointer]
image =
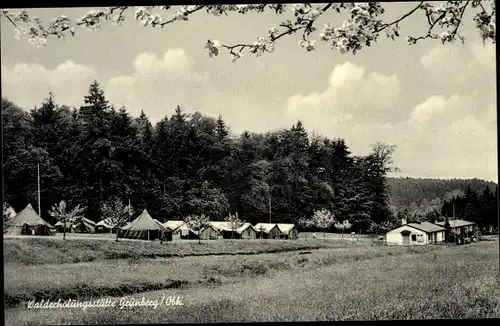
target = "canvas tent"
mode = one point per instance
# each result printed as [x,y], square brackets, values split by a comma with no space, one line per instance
[244,231]
[28,222]
[105,225]
[267,231]
[144,227]
[180,230]
[209,232]
[59,226]
[288,231]
[224,229]
[84,225]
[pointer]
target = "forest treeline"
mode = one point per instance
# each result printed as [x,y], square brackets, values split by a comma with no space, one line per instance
[188,164]
[409,191]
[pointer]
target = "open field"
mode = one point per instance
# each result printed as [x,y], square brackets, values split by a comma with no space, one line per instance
[342,283]
[118,277]
[34,251]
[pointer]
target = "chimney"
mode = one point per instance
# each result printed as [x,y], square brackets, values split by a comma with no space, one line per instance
[403,221]
[435,221]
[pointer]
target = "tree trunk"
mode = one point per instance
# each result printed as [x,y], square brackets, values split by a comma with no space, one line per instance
[64,229]
[117,233]
[199,238]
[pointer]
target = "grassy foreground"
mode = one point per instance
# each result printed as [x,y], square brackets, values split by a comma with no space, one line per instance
[36,251]
[123,277]
[341,284]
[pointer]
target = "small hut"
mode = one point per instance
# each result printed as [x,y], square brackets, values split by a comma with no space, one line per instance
[28,222]
[209,232]
[180,230]
[288,231]
[267,231]
[144,227]
[246,231]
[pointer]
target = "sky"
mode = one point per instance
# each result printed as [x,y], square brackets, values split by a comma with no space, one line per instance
[435,102]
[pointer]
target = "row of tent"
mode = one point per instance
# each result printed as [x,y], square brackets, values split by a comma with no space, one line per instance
[145,227]
[224,230]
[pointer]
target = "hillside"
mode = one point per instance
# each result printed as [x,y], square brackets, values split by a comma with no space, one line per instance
[404,191]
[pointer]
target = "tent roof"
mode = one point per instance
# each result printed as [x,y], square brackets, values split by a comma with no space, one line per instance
[27,216]
[87,221]
[106,223]
[177,226]
[61,223]
[144,222]
[266,227]
[173,225]
[226,226]
[221,225]
[285,228]
[244,227]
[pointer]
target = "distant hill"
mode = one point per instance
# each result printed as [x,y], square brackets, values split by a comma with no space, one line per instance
[404,191]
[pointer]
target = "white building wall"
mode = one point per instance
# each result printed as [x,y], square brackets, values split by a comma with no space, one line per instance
[416,237]
[440,236]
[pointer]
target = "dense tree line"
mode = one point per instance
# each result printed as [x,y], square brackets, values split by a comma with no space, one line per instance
[405,191]
[185,164]
[478,207]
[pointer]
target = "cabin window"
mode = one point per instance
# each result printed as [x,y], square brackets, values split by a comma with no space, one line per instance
[413,237]
[420,238]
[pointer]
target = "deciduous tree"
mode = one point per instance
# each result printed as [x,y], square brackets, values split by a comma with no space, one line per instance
[197,223]
[63,214]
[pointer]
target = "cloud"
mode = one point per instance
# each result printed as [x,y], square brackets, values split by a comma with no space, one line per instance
[350,92]
[449,66]
[484,54]
[431,107]
[440,137]
[158,85]
[460,67]
[437,110]
[28,83]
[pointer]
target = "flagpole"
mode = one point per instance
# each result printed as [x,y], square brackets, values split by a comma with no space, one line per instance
[39,205]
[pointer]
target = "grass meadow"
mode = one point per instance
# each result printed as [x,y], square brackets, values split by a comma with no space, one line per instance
[36,251]
[339,280]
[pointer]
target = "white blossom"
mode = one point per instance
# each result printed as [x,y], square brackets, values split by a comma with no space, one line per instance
[20,32]
[117,19]
[308,45]
[299,8]
[38,41]
[213,47]
[273,31]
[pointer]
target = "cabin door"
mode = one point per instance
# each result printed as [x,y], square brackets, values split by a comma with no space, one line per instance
[406,237]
